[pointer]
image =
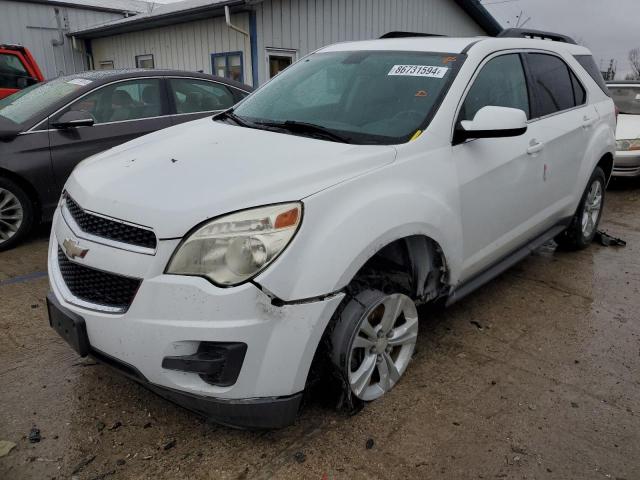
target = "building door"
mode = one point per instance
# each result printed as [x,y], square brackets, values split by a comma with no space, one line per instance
[278,59]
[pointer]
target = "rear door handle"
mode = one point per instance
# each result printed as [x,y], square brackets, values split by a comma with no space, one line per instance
[535,147]
[587,122]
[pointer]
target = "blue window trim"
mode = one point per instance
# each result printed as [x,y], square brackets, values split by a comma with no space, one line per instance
[253,39]
[226,56]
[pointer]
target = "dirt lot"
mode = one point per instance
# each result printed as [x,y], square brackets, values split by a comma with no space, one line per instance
[534,376]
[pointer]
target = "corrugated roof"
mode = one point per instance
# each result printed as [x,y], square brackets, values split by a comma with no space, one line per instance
[132,6]
[162,14]
[188,10]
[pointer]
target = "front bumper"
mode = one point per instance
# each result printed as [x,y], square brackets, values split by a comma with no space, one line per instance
[627,164]
[171,315]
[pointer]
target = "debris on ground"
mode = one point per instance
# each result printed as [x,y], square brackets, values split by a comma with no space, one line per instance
[83,463]
[169,445]
[5,447]
[120,462]
[147,425]
[34,435]
[104,475]
[370,443]
[606,240]
[115,426]
[299,457]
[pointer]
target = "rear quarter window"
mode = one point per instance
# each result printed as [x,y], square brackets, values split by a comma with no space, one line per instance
[588,63]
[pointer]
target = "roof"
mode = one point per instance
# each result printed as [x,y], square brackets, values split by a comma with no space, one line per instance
[103,76]
[119,6]
[161,15]
[189,10]
[456,45]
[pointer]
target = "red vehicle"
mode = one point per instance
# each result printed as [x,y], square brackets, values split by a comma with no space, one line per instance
[18,69]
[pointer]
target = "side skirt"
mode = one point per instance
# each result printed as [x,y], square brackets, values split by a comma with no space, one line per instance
[507,262]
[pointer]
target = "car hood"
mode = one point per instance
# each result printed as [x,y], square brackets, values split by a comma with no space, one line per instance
[173,179]
[628,127]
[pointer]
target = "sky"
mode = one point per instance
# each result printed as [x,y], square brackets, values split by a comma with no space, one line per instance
[609,28]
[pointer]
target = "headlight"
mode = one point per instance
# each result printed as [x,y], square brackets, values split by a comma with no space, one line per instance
[626,145]
[232,249]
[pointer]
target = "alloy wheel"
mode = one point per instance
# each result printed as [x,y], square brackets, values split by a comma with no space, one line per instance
[591,210]
[383,346]
[11,215]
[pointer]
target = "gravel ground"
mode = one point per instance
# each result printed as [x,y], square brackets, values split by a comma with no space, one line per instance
[533,376]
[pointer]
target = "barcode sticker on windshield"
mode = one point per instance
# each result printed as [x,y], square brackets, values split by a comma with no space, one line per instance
[418,71]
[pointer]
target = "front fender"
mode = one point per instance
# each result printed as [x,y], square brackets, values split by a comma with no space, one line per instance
[347,224]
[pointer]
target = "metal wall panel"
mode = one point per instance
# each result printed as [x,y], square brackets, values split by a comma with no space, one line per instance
[306,25]
[185,46]
[34,26]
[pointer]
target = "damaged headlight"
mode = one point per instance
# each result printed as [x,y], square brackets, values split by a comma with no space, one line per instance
[627,145]
[232,249]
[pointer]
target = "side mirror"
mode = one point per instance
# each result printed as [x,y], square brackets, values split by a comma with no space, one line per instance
[492,122]
[24,82]
[74,118]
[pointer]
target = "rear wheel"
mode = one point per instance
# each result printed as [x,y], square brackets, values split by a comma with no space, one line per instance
[373,342]
[585,222]
[16,214]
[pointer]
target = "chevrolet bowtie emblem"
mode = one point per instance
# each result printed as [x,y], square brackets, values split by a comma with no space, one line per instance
[73,249]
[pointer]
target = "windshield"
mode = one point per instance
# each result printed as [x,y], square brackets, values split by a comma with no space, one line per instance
[380,97]
[23,105]
[626,98]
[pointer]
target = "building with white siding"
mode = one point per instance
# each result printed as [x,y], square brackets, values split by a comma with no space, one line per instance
[261,37]
[43,27]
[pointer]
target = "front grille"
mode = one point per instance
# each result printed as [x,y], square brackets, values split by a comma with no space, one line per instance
[111,229]
[97,287]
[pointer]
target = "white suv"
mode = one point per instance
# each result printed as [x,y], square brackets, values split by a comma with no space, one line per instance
[220,261]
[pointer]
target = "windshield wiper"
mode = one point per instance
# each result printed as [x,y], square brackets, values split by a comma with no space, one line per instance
[229,114]
[311,128]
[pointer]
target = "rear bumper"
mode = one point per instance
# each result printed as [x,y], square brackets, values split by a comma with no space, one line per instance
[627,164]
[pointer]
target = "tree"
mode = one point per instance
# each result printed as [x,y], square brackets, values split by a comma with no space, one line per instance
[634,61]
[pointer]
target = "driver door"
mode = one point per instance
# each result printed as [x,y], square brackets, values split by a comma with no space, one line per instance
[501,183]
[122,111]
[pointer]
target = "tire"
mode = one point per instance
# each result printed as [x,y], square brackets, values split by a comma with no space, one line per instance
[370,351]
[584,224]
[16,214]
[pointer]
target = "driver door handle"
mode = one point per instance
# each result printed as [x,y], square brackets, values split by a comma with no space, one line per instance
[535,147]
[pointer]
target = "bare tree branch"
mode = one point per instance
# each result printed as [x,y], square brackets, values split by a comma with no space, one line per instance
[634,61]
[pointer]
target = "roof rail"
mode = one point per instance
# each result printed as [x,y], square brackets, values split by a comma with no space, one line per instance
[535,34]
[400,34]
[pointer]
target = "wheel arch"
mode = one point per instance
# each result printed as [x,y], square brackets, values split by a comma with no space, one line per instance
[606,163]
[28,188]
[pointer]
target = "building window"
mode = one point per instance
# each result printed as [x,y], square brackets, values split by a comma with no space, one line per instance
[144,61]
[228,65]
[106,65]
[278,59]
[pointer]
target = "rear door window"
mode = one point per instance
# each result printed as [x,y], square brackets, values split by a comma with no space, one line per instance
[500,83]
[551,83]
[579,93]
[192,96]
[130,100]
